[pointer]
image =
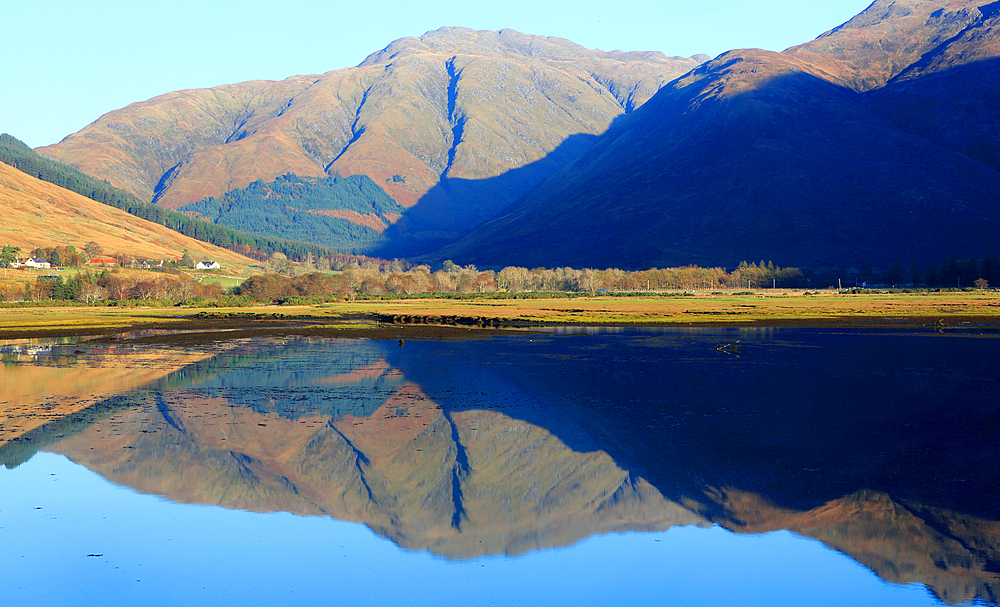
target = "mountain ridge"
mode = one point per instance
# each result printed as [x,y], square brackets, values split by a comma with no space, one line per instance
[485,138]
[453,104]
[792,156]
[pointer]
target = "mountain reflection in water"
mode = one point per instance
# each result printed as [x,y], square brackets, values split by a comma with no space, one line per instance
[881,446]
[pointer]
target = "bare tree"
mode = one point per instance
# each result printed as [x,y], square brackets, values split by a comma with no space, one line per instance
[92,249]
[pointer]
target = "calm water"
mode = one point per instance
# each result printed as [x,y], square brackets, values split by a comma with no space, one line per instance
[601,467]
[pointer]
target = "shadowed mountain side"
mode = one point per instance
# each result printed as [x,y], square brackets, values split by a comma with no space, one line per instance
[460,485]
[958,108]
[748,156]
[446,212]
[887,38]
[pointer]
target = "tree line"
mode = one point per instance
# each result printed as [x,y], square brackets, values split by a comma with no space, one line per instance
[111,286]
[950,272]
[289,283]
[373,280]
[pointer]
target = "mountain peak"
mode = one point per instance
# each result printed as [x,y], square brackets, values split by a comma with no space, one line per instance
[501,43]
[887,37]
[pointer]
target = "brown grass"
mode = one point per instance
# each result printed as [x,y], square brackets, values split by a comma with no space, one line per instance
[39,214]
[780,308]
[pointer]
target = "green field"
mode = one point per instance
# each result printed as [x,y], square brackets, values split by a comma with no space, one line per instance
[227,282]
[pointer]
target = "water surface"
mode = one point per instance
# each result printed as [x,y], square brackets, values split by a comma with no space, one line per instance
[607,466]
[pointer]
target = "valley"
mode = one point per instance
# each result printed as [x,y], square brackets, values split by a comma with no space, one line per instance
[479,315]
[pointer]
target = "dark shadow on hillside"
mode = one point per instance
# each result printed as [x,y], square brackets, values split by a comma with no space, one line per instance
[453,207]
[795,169]
[958,109]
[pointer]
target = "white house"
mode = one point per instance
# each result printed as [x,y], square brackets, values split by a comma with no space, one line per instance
[37,262]
[208,265]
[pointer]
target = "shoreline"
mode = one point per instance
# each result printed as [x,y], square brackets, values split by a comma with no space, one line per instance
[430,316]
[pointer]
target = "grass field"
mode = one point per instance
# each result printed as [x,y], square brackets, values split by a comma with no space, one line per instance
[227,282]
[764,308]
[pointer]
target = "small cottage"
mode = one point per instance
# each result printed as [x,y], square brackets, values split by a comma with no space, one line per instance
[102,262]
[208,265]
[37,262]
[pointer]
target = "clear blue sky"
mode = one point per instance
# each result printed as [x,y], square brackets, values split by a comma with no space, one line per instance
[65,63]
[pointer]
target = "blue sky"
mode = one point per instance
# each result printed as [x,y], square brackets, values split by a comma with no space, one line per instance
[68,62]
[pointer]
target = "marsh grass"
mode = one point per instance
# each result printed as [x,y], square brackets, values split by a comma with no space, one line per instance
[781,308]
[784,306]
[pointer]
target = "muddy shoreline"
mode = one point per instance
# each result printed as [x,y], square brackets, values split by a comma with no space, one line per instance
[206,326]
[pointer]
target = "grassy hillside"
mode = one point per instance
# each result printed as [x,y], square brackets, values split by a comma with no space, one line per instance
[18,155]
[40,214]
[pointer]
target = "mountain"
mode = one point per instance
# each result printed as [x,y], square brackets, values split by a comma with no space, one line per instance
[876,140]
[426,118]
[889,37]
[952,95]
[879,139]
[40,214]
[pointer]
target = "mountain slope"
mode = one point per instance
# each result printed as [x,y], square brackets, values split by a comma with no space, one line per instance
[765,155]
[21,157]
[885,39]
[39,214]
[348,214]
[952,95]
[455,104]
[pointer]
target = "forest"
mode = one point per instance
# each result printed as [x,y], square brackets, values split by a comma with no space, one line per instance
[348,214]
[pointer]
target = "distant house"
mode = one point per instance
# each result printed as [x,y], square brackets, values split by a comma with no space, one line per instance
[146,264]
[102,262]
[37,262]
[208,265]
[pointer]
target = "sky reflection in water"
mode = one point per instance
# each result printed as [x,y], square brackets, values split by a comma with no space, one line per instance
[522,446]
[158,553]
